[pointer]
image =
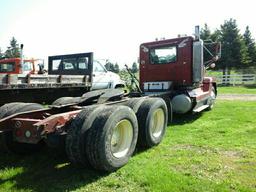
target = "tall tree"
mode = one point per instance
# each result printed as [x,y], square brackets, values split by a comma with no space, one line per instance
[1,53]
[116,68]
[205,35]
[216,35]
[234,51]
[110,66]
[13,50]
[205,32]
[134,67]
[208,37]
[250,44]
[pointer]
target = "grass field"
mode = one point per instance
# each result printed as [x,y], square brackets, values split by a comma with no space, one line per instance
[237,90]
[210,151]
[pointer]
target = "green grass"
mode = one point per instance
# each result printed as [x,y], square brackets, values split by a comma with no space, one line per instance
[237,90]
[211,151]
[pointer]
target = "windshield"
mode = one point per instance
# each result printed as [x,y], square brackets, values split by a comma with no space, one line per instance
[163,55]
[7,67]
[27,66]
[73,63]
[98,67]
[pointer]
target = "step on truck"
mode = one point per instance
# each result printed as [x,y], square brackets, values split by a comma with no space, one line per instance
[102,128]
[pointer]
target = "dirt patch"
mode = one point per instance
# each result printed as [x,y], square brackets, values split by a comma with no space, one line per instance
[240,97]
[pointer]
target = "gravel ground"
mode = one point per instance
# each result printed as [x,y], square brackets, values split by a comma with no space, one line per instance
[241,97]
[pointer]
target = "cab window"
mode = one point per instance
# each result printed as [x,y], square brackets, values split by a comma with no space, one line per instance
[27,66]
[82,63]
[7,67]
[56,64]
[97,67]
[163,55]
[69,64]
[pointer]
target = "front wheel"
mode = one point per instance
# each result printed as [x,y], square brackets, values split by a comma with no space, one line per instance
[211,100]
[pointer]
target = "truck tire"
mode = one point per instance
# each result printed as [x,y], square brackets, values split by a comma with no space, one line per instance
[152,118]
[134,103]
[212,99]
[7,142]
[63,101]
[111,140]
[3,110]
[6,108]
[21,107]
[169,108]
[77,130]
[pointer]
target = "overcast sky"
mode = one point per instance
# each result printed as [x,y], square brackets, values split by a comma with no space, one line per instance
[112,29]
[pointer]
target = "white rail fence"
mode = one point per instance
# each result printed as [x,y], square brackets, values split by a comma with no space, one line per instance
[235,79]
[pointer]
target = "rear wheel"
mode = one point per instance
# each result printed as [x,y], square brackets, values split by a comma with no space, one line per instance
[77,131]
[7,108]
[66,101]
[134,103]
[111,138]
[152,118]
[6,139]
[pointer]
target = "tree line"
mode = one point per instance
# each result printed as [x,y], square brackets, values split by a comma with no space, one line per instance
[116,69]
[12,51]
[238,49]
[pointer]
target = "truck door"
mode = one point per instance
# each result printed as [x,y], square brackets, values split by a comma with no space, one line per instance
[27,67]
[166,61]
[100,79]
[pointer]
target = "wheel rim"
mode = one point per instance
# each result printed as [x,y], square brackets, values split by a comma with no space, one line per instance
[212,99]
[121,138]
[213,95]
[157,124]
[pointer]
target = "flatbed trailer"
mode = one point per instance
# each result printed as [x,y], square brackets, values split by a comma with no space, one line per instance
[41,88]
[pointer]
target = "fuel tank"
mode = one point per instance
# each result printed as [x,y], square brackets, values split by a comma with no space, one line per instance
[181,104]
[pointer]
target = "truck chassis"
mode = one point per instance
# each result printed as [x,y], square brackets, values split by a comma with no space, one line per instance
[101,128]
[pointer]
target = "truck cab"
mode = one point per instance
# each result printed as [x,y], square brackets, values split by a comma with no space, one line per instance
[177,67]
[166,61]
[14,66]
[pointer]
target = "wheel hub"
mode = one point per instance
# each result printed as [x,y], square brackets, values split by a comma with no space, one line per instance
[158,121]
[121,138]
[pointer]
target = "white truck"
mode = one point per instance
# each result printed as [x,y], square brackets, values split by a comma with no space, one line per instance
[104,79]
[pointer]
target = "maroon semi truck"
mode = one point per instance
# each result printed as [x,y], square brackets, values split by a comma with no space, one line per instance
[102,128]
[176,68]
